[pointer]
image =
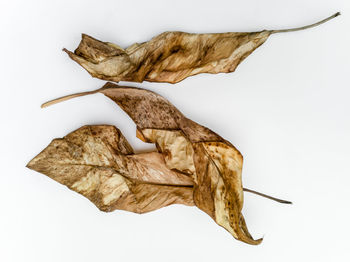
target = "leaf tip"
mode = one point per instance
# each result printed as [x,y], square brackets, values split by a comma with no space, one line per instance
[65,50]
[258,241]
[30,164]
[254,241]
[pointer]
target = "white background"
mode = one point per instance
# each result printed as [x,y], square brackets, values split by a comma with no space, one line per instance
[286,108]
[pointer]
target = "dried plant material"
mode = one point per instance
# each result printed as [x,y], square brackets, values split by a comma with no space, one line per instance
[213,164]
[98,162]
[171,56]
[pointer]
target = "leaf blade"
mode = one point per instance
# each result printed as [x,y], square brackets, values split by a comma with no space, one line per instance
[98,162]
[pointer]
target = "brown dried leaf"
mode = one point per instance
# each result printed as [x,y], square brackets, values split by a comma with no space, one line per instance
[98,162]
[171,56]
[214,164]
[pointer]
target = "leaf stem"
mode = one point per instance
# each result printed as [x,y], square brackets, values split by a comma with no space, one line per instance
[307,26]
[267,196]
[64,98]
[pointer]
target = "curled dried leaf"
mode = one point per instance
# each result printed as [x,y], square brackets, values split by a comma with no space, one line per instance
[171,56]
[213,163]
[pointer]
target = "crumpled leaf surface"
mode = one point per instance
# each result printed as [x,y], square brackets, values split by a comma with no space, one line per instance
[98,162]
[169,57]
[214,164]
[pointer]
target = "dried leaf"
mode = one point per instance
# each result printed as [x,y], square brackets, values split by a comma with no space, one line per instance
[98,162]
[214,164]
[171,56]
